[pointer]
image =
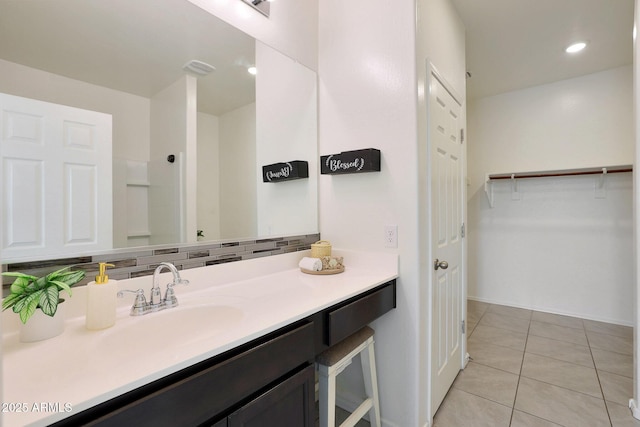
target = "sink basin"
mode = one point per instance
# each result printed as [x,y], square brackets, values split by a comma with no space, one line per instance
[175,327]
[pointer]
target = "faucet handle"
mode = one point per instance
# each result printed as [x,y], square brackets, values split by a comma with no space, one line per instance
[180,281]
[139,305]
[170,299]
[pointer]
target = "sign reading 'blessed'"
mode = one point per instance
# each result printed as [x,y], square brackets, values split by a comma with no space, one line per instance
[366,160]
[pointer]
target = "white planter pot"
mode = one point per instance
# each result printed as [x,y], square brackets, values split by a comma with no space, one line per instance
[41,327]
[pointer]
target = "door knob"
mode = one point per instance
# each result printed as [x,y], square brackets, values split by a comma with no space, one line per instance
[440,264]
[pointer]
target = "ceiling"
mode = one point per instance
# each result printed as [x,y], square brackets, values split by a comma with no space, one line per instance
[514,44]
[138,47]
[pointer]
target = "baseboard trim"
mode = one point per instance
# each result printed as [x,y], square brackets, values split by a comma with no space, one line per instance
[635,411]
[553,311]
[350,402]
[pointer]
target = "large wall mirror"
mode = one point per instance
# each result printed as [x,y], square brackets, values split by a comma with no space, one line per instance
[187,149]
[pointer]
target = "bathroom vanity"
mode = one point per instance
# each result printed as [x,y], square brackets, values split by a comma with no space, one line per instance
[250,364]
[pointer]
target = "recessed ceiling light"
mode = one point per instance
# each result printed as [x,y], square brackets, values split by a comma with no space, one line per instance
[252,70]
[576,47]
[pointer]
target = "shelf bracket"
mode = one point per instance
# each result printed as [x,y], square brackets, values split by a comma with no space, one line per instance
[600,191]
[488,189]
[515,195]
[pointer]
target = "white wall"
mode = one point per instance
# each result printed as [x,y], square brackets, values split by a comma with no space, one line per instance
[581,122]
[189,204]
[173,132]
[136,175]
[130,113]
[441,41]
[292,27]
[285,89]
[558,248]
[368,98]
[636,217]
[237,163]
[208,176]
[441,44]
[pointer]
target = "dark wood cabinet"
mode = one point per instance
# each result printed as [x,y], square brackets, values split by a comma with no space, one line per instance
[289,404]
[349,316]
[267,382]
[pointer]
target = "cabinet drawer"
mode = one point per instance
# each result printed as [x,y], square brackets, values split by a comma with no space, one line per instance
[352,315]
[290,403]
[219,387]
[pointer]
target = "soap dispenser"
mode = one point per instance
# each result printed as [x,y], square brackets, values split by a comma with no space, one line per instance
[101,300]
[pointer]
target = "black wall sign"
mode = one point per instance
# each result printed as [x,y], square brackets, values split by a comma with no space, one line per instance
[295,169]
[366,160]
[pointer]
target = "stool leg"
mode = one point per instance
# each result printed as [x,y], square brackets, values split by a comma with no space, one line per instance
[327,396]
[371,382]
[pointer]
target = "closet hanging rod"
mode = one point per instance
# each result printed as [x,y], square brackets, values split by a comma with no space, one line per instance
[591,171]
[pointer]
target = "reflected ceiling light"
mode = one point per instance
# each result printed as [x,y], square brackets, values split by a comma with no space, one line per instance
[576,47]
[198,67]
[252,70]
[261,6]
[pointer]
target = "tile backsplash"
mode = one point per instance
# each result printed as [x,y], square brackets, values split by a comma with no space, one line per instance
[142,262]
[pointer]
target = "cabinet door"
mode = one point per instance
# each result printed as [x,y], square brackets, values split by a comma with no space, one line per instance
[289,404]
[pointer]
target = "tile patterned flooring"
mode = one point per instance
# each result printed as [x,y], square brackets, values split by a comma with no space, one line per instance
[534,369]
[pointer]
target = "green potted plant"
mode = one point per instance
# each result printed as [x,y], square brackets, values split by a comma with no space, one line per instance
[30,293]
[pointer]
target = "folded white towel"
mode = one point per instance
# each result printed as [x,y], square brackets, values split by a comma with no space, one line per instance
[312,264]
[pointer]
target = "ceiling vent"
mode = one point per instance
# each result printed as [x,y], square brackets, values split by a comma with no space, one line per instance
[198,68]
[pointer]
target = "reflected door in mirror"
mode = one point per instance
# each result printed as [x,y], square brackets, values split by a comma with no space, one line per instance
[56,178]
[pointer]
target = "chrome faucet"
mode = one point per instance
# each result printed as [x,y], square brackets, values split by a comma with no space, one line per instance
[170,296]
[156,302]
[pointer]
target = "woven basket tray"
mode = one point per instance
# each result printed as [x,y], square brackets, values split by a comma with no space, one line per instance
[323,272]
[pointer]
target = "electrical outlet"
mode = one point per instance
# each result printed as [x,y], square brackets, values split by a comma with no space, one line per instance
[390,236]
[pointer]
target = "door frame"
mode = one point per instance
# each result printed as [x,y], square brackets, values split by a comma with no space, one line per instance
[434,73]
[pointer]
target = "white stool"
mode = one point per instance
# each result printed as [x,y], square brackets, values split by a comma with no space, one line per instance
[333,361]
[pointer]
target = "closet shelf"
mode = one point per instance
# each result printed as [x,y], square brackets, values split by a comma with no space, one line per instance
[513,176]
[138,184]
[136,234]
[562,172]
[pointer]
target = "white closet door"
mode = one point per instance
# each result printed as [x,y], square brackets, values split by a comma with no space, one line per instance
[56,179]
[446,163]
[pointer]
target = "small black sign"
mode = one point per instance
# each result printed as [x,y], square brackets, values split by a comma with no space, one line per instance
[366,160]
[295,169]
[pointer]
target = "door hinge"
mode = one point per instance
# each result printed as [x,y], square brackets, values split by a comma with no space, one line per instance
[463,327]
[462,230]
[461,136]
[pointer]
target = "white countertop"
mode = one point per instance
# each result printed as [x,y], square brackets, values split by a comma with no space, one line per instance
[224,306]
